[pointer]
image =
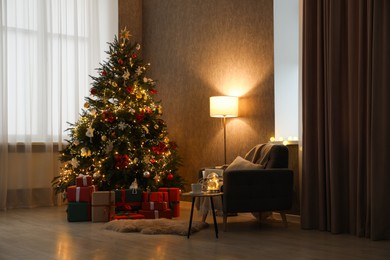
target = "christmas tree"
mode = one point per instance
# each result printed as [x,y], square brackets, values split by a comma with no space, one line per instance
[120,136]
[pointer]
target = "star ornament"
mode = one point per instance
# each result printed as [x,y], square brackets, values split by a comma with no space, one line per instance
[126,75]
[125,34]
[122,126]
[138,71]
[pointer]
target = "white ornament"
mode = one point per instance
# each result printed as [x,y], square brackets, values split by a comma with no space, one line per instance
[75,163]
[109,147]
[96,175]
[89,132]
[134,184]
[122,126]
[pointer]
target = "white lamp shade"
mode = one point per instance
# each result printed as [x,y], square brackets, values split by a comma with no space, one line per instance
[224,106]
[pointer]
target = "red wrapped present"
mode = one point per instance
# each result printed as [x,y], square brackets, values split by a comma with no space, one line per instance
[152,214]
[151,205]
[173,200]
[83,180]
[155,196]
[80,194]
[129,216]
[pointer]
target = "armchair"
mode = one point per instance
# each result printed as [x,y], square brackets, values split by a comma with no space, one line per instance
[260,182]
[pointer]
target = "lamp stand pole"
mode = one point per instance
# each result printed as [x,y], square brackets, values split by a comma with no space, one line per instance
[224,138]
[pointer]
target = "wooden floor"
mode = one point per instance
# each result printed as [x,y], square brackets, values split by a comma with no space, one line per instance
[44,233]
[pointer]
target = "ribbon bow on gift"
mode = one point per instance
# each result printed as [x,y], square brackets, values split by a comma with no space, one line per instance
[85,183]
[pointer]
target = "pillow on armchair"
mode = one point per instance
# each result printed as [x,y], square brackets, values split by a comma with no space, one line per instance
[241,164]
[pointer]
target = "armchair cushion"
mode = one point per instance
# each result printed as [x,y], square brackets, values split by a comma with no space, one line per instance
[241,164]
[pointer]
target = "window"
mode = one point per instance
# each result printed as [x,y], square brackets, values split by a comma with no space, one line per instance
[48,52]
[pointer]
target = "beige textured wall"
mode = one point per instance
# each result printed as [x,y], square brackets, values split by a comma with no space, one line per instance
[130,16]
[198,49]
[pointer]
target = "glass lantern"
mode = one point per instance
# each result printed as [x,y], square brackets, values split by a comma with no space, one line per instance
[213,182]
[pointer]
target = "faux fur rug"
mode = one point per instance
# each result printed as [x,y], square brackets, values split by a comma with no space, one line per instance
[155,226]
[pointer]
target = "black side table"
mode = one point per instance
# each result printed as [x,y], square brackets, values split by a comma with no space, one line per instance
[200,195]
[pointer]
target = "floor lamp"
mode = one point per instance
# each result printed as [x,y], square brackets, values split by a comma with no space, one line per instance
[224,107]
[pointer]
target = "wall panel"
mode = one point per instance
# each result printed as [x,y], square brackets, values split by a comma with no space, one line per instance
[198,49]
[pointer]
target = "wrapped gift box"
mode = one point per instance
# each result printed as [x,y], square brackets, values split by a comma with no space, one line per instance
[152,214]
[83,180]
[151,205]
[126,206]
[128,199]
[103,206]
[79,211]
[173,200]
[155,196]
[129,216]
[128,195]
[80,194]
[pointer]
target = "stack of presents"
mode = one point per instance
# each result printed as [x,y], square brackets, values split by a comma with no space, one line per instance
[87,204]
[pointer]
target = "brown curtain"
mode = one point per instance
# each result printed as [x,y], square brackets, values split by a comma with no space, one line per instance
[346,117]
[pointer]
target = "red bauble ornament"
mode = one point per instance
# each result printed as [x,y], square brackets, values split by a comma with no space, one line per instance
[170,177]
[139,117]
[108,116]
[129,89]
[93,91]
[121,161]
[148,110]
[146,174]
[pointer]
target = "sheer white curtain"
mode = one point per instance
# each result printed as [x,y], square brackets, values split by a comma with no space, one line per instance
[48,49]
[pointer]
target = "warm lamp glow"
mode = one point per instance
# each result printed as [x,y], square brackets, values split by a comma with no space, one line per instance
[223,106]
